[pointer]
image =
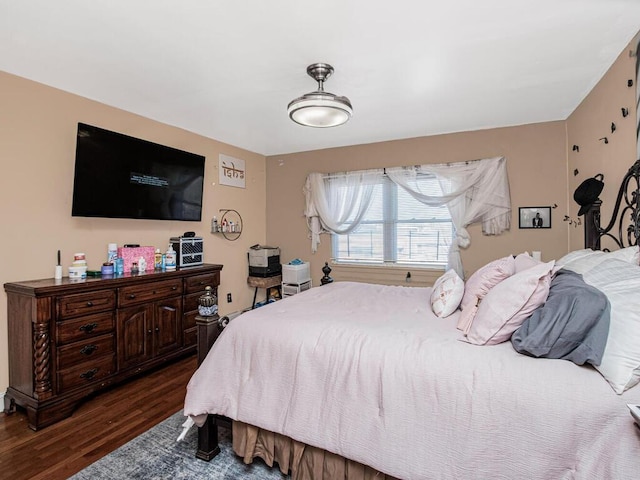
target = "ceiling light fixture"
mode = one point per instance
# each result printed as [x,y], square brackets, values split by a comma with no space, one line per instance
[320,109]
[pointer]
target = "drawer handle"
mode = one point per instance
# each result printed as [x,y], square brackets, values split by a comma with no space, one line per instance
[174,288]
[89,304]
[157,329]
[132,296]
[88,328]
[88,349]
[89,374]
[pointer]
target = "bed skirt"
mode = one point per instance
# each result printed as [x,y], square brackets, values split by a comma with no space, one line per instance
[302,461]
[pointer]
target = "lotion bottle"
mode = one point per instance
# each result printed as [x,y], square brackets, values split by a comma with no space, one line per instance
[170,262]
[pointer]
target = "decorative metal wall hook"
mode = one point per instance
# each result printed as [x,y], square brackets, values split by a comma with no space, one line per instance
[575,172]
[576,148]
[613,127]
[630,82]
[606,140]
[555,205]
[625,112]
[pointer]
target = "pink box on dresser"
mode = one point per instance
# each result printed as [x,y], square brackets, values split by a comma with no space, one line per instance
[133,254]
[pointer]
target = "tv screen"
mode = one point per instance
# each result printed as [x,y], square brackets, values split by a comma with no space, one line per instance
[118,176]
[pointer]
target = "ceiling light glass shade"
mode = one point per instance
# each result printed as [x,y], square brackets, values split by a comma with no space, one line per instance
[320,109]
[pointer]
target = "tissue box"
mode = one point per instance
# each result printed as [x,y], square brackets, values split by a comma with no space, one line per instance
[296,274]
[133,254]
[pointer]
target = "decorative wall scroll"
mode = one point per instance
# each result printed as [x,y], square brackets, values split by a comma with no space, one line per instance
[231,171]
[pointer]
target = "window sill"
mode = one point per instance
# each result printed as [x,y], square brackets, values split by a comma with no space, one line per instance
[386,274]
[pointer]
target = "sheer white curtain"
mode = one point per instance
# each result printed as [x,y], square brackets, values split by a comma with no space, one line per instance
[476,191]
[333,199]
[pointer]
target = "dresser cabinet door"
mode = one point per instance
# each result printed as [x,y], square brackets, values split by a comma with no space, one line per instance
[167,326]
[135,335]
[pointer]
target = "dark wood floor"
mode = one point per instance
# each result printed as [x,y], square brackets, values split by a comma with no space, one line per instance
[99,425]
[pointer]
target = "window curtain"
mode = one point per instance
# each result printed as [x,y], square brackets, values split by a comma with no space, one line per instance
[333,199]
[476,191]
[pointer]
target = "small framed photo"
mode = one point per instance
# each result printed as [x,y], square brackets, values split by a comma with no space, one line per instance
[535,217]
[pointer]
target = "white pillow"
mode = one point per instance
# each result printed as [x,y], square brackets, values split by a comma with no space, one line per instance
[628,254]
[575,255]
[509,303]
[620,282]
[581,261]
[446,294]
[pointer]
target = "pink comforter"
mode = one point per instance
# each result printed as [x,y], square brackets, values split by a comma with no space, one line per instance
[370,373]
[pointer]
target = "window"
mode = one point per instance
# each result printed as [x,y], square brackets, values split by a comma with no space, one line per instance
[398,229]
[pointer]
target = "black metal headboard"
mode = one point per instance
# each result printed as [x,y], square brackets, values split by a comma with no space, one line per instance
[623,228]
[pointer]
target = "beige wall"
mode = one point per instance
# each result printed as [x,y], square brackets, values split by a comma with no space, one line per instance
[37,146]
[590,122]
[536,164]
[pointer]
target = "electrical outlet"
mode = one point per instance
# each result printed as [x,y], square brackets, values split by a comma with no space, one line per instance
[229,300]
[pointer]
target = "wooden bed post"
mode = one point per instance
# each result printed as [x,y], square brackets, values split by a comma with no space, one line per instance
[592,226]
[209,329]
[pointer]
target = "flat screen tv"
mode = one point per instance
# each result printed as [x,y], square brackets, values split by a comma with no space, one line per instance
[118,176]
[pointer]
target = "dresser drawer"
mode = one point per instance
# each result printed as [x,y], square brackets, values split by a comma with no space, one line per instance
[87,373]
[85,303]
[197,283]
[79,352]
[189,319]
[190,337]
[149,292]
[85,327]
[191,302]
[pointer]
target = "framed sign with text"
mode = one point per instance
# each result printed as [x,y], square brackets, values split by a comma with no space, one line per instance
[231,171]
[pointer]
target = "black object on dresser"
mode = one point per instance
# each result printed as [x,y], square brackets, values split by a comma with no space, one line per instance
[69,339]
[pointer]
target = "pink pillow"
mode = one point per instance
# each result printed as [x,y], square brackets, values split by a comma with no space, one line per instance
[479,284]
[524,261]
[466,318]
[509,303]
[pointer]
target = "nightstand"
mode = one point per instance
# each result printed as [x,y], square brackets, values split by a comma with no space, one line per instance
[268,283]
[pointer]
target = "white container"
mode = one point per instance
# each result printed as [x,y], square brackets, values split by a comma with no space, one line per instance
[296,274]
[289,289]
[76,273]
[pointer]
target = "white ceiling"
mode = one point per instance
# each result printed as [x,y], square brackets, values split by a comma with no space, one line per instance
[227,69]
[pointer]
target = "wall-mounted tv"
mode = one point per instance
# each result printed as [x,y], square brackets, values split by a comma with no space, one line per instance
[119,176]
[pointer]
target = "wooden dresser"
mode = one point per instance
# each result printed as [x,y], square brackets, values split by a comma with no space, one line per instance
[69,339]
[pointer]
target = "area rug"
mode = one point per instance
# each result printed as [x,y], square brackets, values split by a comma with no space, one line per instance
[157,455]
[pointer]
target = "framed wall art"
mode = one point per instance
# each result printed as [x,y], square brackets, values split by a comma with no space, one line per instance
[231,171]
[535,217]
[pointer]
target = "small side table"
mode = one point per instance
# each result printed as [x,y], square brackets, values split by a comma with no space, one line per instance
[267,283]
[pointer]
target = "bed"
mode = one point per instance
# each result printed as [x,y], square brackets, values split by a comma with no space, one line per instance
[353,380]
